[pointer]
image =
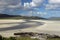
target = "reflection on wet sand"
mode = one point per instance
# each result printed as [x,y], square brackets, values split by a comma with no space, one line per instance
[21,25]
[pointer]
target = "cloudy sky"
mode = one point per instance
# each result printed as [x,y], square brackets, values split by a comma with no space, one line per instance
[43,8]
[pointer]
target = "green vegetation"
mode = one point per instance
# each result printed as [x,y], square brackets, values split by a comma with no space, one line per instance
[17,38]
[53,39]
[24,38]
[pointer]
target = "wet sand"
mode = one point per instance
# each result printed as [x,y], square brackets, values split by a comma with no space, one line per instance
[9,27]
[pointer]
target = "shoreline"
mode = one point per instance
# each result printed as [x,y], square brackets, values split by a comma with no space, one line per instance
[44,26]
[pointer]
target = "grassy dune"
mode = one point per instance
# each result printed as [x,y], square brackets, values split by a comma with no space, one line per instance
[53,39]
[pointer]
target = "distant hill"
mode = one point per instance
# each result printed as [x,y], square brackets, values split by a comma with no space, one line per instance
[54,18]
[4,16]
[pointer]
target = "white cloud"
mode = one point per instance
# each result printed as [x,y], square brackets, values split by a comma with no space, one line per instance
[52,7]
[54,1]
[41,13]
[16,4]
[34,3]
[13,4]
[26,5]
[29,5]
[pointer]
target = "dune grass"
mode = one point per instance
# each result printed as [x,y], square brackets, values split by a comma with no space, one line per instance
[53,39]
[17,38]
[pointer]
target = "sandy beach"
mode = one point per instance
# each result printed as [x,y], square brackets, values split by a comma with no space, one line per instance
[9,27]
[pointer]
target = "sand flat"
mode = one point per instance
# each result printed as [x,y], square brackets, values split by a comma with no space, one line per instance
[9,27]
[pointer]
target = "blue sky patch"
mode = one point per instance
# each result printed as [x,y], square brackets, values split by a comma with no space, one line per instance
[43,8]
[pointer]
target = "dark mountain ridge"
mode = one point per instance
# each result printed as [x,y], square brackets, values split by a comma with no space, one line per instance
[19,16]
